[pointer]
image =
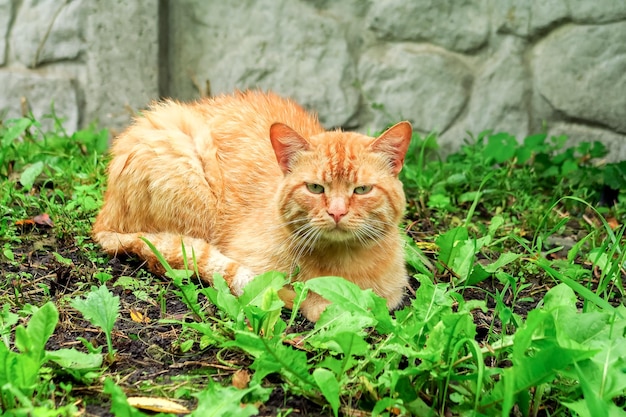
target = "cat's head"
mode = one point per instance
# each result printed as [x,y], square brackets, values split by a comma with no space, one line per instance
[341,187]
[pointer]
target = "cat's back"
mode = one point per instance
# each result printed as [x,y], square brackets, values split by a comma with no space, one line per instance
[247,117]
[233,127]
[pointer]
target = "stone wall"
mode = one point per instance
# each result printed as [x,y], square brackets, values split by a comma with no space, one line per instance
[95,60]
[451,66]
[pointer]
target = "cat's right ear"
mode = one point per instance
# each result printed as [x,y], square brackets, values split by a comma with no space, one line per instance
[286,143]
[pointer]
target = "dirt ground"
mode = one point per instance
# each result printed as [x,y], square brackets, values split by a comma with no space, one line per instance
[148,350]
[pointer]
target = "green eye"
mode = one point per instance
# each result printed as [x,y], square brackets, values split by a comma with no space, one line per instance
[315,188]
[363,189]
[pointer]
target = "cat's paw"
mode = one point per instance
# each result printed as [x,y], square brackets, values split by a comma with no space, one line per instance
[313,307]
[241,278]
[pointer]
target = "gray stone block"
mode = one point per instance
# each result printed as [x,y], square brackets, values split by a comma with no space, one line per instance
[460,25]
[499,100]
[577,133]
[65,41]
[280,45]
[527,18]
[40,93]
[6,10]
[121,60]
[422,84]
[581,72]
[46,30]
[597,11]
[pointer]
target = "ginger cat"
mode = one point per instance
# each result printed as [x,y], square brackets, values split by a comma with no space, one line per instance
[251,182]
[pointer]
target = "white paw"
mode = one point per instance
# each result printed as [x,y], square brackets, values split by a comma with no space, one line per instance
[241,279]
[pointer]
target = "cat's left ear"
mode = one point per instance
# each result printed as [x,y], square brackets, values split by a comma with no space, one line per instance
[394,143]
[286,143]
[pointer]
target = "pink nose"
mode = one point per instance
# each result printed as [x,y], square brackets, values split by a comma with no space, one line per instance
[337,208]
[337,215]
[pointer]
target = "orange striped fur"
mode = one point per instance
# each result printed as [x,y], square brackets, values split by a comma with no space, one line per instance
[251,182]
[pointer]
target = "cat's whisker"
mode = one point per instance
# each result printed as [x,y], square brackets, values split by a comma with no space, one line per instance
[303,243]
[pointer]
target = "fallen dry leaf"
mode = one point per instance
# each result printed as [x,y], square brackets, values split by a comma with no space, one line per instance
[241,378]
[613,223]
[159,405]
[42,220]
[138,317]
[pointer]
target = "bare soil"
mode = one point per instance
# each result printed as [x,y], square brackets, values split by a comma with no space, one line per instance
[148,350]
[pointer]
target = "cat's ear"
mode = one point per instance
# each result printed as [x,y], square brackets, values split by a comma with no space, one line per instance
[394,143]
[286,143]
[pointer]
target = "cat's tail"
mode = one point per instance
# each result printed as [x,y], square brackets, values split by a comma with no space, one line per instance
[200,254]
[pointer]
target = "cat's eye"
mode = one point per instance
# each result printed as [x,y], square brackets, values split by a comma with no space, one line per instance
[315,188]
[363,189]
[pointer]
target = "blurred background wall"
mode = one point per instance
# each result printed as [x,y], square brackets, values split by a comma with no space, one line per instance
[450,66]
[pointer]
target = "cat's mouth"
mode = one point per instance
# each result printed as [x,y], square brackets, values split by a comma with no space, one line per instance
[339,233]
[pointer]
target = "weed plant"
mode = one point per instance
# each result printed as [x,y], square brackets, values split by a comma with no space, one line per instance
[516,304]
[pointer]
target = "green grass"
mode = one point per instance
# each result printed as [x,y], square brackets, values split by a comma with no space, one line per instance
[517,304]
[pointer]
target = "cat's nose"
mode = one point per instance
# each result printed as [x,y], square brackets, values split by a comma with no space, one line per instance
[337,208]
[336,216]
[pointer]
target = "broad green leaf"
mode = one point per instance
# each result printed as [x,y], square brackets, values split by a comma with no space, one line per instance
[222,298]
[345,342]
[30,174]
[478,274]
[119,402]
[560,296]
[255,290]
[39,329]
[351,308]
[20,370]
[329,387]
[503,260]
[494,225]
[218,401]
[7,321]
[530,371]
[432,354]
[340,291]
[431,300]
[463,261]
[414,256]
[61,259]
[594,404]
[439,201]
[272,356]
[100,307]
[15,129]
[500,147]
[8,253]
[75,359]
[581,408]
[448,242]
